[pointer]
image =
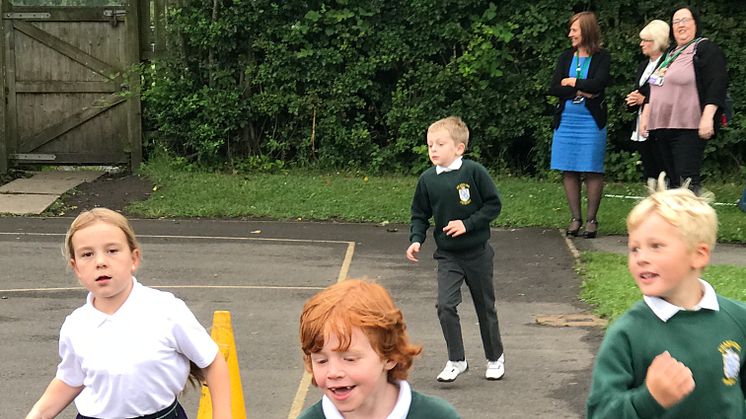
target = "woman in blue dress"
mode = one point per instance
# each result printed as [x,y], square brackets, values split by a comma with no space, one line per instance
[579,141]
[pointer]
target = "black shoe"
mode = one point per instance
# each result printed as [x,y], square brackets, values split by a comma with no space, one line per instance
[591,234]
[574,232]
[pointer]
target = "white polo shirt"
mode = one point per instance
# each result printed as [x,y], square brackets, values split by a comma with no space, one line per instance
[401,409]
[665,310]
[135,361]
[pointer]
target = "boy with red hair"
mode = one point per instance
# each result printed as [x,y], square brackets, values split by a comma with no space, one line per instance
[355,343]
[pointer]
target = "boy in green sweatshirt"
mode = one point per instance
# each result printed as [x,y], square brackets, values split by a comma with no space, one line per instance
[679,353]
[461,197]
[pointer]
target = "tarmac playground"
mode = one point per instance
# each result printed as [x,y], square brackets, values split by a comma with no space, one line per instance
[262,272]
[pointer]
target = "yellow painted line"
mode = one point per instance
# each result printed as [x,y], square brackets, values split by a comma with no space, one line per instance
[44,289]
[300,395]
[345,269]
[166,236]
[305,381]
[236,287]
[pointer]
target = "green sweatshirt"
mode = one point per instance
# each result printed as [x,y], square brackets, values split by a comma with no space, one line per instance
[467,194]
[711,343]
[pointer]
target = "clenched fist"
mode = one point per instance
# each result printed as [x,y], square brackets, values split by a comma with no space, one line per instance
[668,380]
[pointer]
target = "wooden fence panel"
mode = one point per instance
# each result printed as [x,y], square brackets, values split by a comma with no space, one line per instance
[70,82]
[85,52]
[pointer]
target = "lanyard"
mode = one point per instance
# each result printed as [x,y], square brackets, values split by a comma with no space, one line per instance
[670,58]
[578,68]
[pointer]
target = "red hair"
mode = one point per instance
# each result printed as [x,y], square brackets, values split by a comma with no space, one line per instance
[365,305]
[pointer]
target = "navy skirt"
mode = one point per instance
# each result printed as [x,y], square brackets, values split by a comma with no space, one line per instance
[174,411]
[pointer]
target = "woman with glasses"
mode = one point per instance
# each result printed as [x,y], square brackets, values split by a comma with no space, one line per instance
[653,42]
[687,95]
[579,141]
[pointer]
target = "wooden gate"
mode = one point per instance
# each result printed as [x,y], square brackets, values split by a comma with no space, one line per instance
[69,84]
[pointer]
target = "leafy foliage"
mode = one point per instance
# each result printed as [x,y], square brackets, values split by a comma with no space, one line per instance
[356,83]
[65,3]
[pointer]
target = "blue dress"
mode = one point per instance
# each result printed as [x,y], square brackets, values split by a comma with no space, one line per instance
[578,145]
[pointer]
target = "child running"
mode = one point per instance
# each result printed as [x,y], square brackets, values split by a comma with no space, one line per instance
[355,343]
[679,353]
[126,353]
[462,198]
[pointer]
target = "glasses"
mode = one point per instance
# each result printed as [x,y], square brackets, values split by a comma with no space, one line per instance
[646,40]
[682,21]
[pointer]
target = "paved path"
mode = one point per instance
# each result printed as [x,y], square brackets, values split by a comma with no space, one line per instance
[263,272]
[33,195]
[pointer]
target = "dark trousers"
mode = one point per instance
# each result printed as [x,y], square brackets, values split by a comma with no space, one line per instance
[681,152]
[651,167]
[474,267]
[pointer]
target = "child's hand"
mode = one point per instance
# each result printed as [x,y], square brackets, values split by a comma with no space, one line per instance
[454,228]
[668,380]
[412,251]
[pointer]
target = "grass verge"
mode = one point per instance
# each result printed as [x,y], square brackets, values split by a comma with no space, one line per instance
[182,191]
[608,286]
[356,197]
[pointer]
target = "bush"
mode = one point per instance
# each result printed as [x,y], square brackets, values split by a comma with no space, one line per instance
[355,83]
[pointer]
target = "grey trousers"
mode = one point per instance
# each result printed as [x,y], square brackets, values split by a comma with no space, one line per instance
[474,267]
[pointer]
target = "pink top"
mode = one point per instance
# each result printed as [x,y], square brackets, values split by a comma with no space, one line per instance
[676,103]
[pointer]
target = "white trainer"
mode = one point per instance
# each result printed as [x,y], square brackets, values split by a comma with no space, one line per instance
[452,370]
[495,369]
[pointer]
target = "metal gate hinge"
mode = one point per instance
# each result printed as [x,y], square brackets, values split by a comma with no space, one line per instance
[38,15]
[33,156]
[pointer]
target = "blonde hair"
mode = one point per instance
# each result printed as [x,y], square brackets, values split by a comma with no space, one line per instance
[365,305]
[658,31]
[86,218]
[457,129]
[692,215]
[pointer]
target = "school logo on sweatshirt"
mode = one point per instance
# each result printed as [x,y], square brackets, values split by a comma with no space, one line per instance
[463,193]
[731,361]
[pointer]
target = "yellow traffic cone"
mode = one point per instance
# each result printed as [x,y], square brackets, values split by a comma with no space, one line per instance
[222,334]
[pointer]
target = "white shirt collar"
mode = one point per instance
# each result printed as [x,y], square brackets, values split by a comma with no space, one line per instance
[98,317]
[455,165]
[665,310]
[401,409]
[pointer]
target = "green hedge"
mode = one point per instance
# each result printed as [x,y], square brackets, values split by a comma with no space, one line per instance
[261,83]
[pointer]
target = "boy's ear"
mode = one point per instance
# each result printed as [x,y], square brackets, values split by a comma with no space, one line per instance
[460,148]
[390,364]
[701,256]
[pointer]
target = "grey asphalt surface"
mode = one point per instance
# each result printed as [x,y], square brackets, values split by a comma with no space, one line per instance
[262,272]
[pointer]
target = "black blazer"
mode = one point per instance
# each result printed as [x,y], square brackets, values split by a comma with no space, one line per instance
[598,79]
[712,77]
